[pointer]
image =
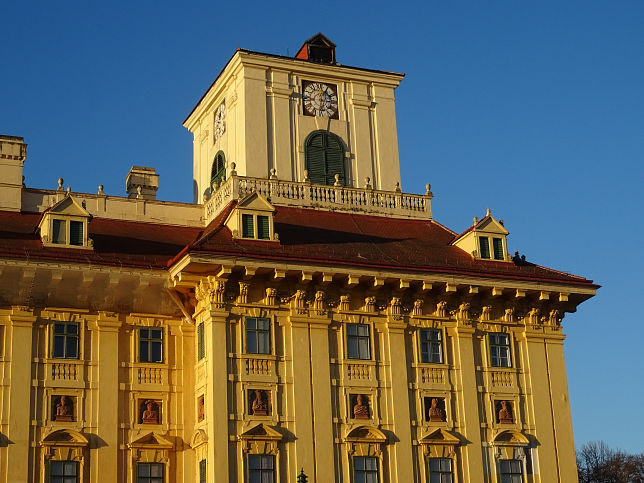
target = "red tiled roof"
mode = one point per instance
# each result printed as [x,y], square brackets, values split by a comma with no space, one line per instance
[306,236]
[116,242]
[324,237]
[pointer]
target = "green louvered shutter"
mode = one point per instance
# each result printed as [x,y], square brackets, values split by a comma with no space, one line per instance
[324,158]
[202,471]
[485,246]
[59,229]
[334,160]
[497,245]
[315,162]
[75,232]
[218,171]
[263,232]
[201,342]
[248,230]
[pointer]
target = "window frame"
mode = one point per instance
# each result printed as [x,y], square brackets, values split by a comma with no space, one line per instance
[267,332]
[491,246]
[150,340]
[262,471]
[149,478]
[430,342]
[496,345]
[366,472]
[65,335]
[203,471]
[440,473]
[359,338]
[255,220]
[63,477]
[510,477]
[67,220]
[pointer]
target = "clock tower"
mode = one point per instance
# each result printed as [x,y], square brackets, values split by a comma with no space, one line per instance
[307,117]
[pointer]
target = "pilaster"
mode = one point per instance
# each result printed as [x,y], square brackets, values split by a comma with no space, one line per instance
[19,353]
[106,397]
[468,422]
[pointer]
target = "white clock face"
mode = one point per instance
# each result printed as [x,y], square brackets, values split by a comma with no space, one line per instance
[320,100]
[220,121]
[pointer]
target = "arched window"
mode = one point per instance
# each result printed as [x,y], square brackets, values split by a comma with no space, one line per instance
[324,157]
[218,172]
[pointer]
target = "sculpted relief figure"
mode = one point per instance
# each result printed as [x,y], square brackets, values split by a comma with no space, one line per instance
[259,407]
[151,413]
[436,413]
[64,409]
[361,408]
[505,413]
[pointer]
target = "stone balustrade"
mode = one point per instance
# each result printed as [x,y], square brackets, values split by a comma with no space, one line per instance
[332,198]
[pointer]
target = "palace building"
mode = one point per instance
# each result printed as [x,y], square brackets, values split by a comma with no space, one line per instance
[304,316]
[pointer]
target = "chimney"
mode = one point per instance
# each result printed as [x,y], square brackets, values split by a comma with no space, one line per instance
[144,178]
[13,152]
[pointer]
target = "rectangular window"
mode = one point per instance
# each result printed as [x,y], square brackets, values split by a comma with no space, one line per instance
[511,471]
[365,469]
[201,342]
[258,335]
[440,470]
[202,471]
[500,350]
[63,472]
[485,246]
[261,468]
[431,346]
[66,336]
[263,233]
[248,229]
[149,473]
[59,232]
[150,344]
[76,233]
[358,341]
[497,245]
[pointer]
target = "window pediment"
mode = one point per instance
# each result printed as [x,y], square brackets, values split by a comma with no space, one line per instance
[366,434]
[65,224]
[200,437]
[65,437]
[261,432]
[510,437]
[151,440]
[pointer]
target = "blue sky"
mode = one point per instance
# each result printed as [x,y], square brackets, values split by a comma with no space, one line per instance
[533,109]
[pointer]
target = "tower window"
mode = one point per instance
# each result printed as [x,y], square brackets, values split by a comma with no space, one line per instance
[218,172]
[358,341]
[66,338]
[324,155]
[431,346]
[511,471]
[150,345]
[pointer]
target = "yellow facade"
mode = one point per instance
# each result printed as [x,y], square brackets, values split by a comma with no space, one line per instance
[231,366]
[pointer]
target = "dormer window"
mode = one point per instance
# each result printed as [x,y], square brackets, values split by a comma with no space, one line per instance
[485,239]
[252,219]
[65,224]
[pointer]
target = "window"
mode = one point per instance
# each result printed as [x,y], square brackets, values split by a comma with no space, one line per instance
[201,342]
[431,346]
[66,340]
[218,172]
[358,341]
[249,222]
[324,157]
[202,471]
[500,350]
[497,248]
[150,345]
[485,247]
[261,468]
[149,473]
[497,244]
[511,471]
[258,335]
[365,469]
[60,234]
[63,472]
[440,470]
